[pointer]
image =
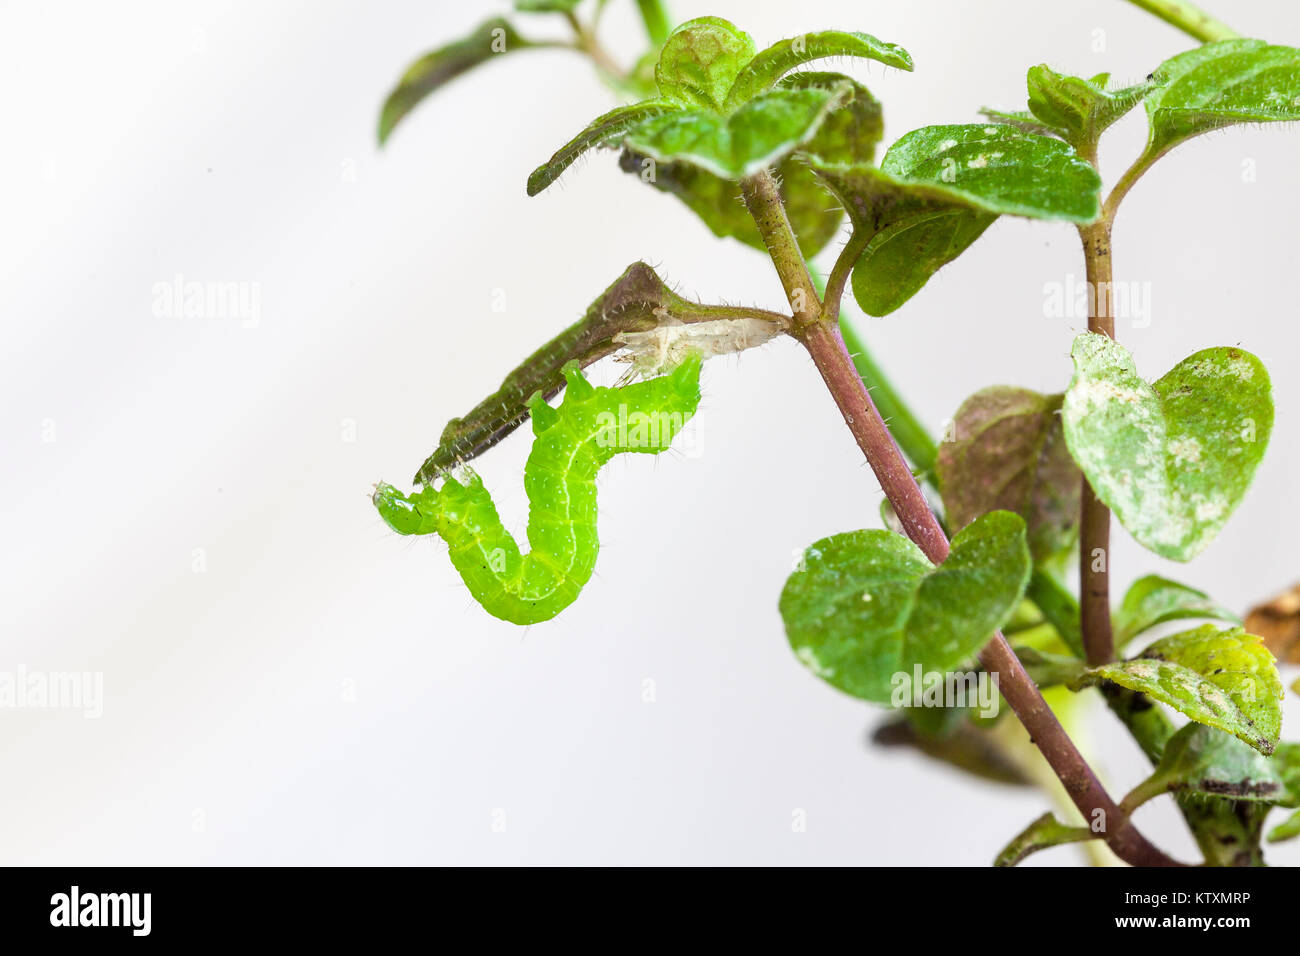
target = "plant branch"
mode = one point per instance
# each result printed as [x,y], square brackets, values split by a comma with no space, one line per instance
[912,436]
[586,42]
[1094,524]
[821,337]
[839,276]
[1191,20]
[826,347]
[763,199]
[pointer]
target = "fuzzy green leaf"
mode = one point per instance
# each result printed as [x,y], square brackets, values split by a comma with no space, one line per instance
[867,605]
[700,62]
[1043,833]
[1080,109]
[1005,450]
[1171,460]
[444,64]
[758,135]
[1219,84]
[1221,678]
[606,130]
[763,71]
[936,191]
[1152,600]
[815,215]
[852,131]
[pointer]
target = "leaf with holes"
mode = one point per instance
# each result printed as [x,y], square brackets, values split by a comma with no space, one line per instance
[1152,600]
[1172,459]
[867,606]
[1006,451]
[1221,678]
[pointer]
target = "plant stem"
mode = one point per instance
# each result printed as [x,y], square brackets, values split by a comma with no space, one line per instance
[1094,524]
[763,199]
[821,336]
[826,347]
[912,436]
[657,22]
[1190,19]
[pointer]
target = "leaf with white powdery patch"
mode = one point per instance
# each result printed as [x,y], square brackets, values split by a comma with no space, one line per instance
[868,605]
[1174,458]
[1221,678]
[1006,451]
[936,191]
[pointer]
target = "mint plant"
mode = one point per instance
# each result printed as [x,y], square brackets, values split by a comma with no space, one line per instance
[781,157]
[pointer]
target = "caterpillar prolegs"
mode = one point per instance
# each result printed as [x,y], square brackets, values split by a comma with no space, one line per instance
[571,443]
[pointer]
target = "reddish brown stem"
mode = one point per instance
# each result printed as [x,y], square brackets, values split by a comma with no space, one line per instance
[1094,523]
[824,344]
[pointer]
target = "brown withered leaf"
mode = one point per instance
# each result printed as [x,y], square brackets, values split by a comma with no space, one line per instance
[1278,623]
[1006,449]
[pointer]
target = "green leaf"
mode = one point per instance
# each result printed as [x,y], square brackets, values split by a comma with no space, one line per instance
[848,133]
[936,191]
[867,607]
[701,60]
[1043,833]
[962,745]
[852,131]
[1288,829]
[1005,450]
[1219,84]
[1203,760]
[1221,678]
[444,64]
[815,215]
[1049,669]
[1171,460]
[1152,600]
[1081,109]
[547,6]
[763,71]
[758,135]
[606,130]
[1022,120]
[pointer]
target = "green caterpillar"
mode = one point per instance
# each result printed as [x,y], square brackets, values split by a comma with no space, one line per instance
[570,444]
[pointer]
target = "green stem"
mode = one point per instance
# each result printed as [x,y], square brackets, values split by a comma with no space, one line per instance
[1190,19]
[912,436]
[657,22]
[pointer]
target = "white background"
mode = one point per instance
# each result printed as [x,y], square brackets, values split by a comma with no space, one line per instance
[326,691]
